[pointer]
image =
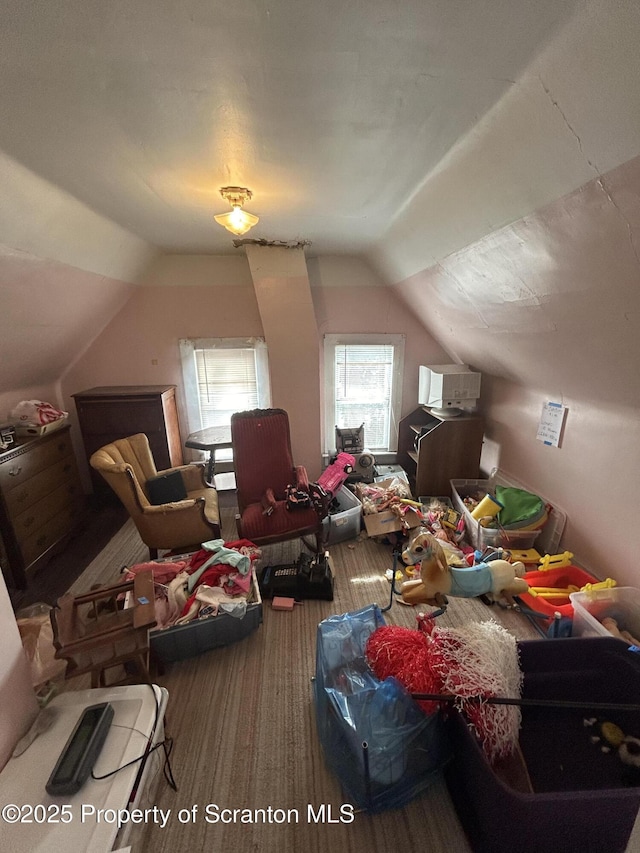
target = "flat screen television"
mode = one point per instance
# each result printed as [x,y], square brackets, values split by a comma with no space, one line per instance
[448,389]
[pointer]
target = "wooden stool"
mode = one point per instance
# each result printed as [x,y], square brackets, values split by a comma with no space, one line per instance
[94,632]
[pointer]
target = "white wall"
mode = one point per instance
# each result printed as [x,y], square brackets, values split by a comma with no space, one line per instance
[18,705]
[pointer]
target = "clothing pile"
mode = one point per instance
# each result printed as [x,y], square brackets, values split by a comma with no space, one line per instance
[215,578]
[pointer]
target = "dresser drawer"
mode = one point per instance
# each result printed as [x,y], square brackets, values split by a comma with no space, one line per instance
[108,417]
[41,501]
[35,516]
[51,532]
[35,457]
[28,492]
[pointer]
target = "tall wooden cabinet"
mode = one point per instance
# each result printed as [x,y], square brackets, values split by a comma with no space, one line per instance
[434,450]
[117,411]
[41,502]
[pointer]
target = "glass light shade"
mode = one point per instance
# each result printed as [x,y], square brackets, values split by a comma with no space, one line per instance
[238,221]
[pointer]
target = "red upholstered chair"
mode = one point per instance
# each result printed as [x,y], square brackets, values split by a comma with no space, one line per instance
[264,468]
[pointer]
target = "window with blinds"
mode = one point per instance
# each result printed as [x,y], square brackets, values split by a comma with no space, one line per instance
[227,383]
[223,376]
[364,380]
[363,390]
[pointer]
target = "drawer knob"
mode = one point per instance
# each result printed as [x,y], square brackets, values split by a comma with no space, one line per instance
[67,467]
[22,497]
[41,541]
[15,471]
[29,521]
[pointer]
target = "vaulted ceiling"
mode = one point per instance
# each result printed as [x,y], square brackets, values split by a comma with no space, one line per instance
[336,115]
[481,156]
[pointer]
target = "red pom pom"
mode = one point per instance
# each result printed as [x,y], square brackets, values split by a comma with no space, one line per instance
[403,654]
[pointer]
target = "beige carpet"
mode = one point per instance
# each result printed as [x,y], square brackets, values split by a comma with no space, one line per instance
[243,724]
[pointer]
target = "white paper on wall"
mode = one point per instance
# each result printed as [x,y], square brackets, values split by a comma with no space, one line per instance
[551,424]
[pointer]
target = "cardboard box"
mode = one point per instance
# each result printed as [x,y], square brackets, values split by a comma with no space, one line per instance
[381,523]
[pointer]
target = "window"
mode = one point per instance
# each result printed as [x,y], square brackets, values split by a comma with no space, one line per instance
[363,376]
[223,376]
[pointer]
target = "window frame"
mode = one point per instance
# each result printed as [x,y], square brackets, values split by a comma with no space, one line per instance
[330,342]
[189,373]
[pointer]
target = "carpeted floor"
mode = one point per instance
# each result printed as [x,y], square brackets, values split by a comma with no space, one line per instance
[243,722]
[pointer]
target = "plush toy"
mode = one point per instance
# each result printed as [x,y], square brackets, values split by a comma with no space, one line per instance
[438,578]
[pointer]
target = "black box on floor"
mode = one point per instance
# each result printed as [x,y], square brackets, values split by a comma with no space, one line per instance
[308,577]
[580,797]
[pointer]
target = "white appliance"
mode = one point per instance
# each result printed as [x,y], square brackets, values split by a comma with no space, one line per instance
[42,824]
[448,389]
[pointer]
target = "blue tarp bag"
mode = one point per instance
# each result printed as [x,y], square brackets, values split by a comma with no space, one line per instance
[384,749]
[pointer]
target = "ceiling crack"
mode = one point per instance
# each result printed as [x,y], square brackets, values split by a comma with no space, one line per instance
[600,178]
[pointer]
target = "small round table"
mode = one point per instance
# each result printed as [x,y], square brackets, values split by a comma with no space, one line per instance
[210,439]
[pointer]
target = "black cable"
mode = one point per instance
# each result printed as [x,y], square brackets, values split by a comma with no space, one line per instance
[129,763]
[166,770]
[168,773]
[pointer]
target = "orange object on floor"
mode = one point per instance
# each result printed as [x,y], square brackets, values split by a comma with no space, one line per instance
[279,602]
[560,578]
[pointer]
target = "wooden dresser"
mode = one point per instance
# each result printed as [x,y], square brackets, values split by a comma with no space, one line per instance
[41,501]
[117,411]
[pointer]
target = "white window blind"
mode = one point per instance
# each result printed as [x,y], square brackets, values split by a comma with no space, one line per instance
[223,376]
[363,376]
[227,383]
[363,389]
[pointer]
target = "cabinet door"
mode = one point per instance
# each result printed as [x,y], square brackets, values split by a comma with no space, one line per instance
[104,419]
[450,451]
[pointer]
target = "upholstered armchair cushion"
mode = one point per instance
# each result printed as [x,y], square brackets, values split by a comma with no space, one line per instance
[264,468]
[127,464]
[280,524]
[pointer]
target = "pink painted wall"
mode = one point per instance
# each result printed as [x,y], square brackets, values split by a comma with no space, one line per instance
[50,313]
[359,310]
[149,326]
[548,309]
[281,286]
[140,345]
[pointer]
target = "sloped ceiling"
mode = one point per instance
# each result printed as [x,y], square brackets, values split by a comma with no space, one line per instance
[431,137]
[334,114]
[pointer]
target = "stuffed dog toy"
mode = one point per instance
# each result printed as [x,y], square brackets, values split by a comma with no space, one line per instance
[438,579]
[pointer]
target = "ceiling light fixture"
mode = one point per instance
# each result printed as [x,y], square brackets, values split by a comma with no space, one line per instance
[238,221]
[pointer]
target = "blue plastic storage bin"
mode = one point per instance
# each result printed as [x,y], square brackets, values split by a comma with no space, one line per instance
[384,749]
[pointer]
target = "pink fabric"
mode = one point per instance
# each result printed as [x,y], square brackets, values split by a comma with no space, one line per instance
[162,572]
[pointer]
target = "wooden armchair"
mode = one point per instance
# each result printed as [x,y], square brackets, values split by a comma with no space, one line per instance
[127,465]
[95,632]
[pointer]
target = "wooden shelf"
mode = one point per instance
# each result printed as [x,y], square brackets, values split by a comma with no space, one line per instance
[449,450]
